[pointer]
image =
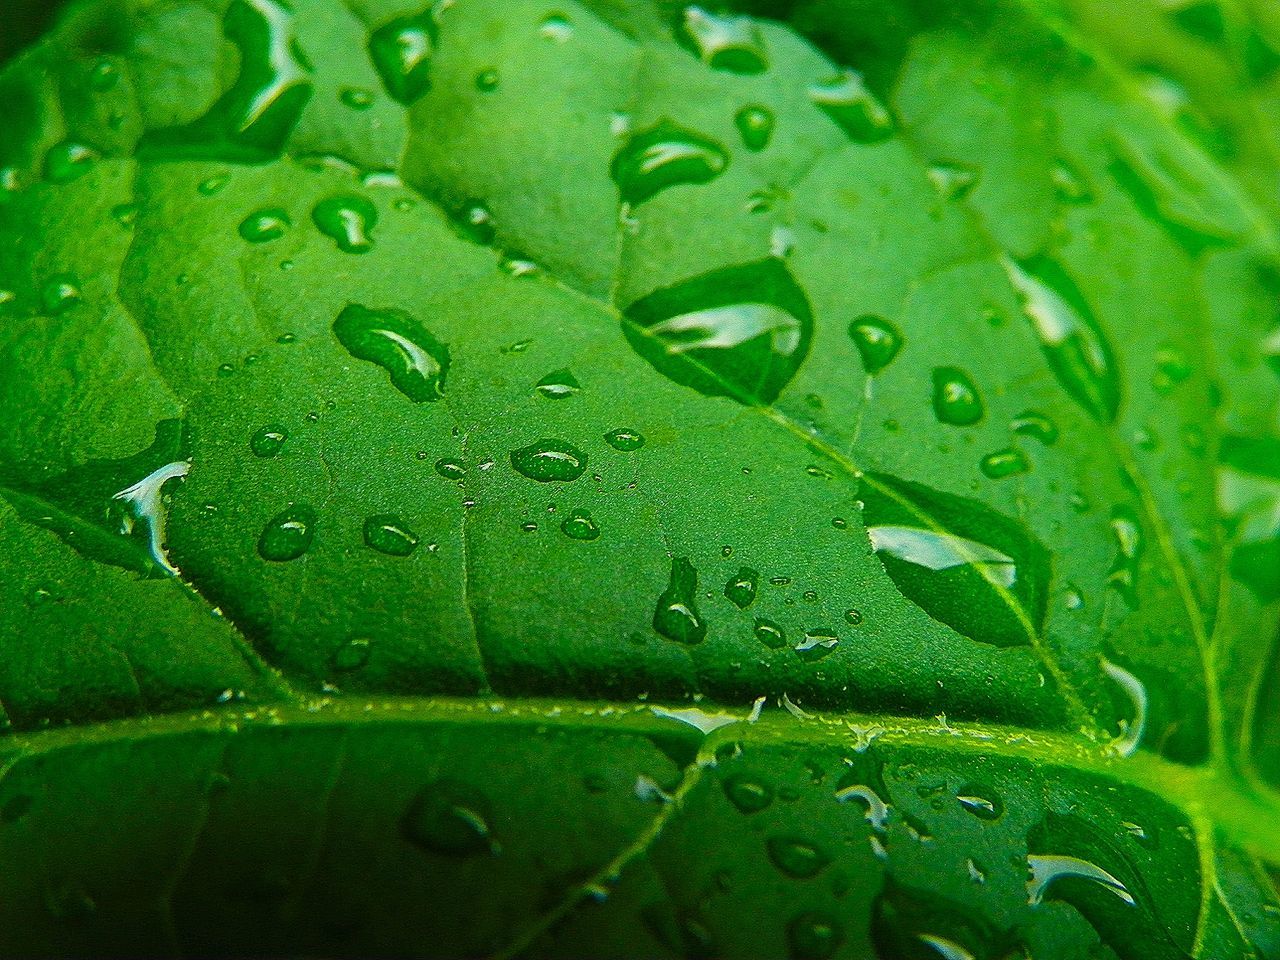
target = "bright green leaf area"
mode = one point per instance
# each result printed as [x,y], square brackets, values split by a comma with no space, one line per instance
[552,479]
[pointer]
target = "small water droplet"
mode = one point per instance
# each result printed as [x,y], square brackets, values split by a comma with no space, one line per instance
[795,857]
[676,615]
[356,98]
[1005,463]
[348,221]
[268,441]
[956,400]
[741,589]
[980,801]
[724,41]
[387,533]
[952,181]
[624,439]
[1035,425]
[580,526]
[487,80]
[878,341]
[415,361]
[67,161]
[449,819]
[1129,544]
[450,469]
[755,125]
[267,224]
[549,460]
[855,109]
[288,535]
[770,634]
[1172,369]
[853,617]
[60,293]
[557,28]
[352,655]
[401,52]
[814,936]
[558,385]
[747,794]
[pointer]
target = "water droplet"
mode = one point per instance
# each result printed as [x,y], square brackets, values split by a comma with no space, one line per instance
[1068,185]
[1129,545]
[487,80]
[878,341]
[676,615]
[415,361]
[268,441]
[1132,728]
[263,225]
[748,794]
[795,857]
[952,181]
[741,589]
[1073,343]
[348,221]
[855,109]
[817,644]
[1035,425]
[624,440]
[103,76]
[351,655]
[755,125]
[549,460]
[964,564]
[579,526]
[1172,369]
[356,98]
[143,505]
[663,156]
[254,119]
[401,52]
[558,385]
[724,41]
[980,801]
[814,936]
[288,534]
[770,634]
[450,469]
[556,28]
[1005,463]
[740,332]
[1047,869]
[66,162]
[387,533]
[449,819]
[60,293]
[956,400]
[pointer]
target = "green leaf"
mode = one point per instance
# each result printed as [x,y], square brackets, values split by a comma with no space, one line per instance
[528,479]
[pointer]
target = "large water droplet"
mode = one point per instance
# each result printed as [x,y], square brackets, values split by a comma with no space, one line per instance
[980,801]
[963,563]
[449,819]
[795,857]
[144,505]
[956,400]
[817,644]
[740,332]
[1133,726]
[878,341]
[253,120]
[387,533]
[1073,342]
[676,615]
[741,589]
[558,385]
[663,156]
[549,460]
[416,362]
[288,535]
[724,41]
[401,52]
[348,221]
[855,109]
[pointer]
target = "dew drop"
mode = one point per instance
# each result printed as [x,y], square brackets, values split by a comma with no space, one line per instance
[401,53]
[356,98]
[741,589]
[755,125]
[817,644]
[662,156]
[855,109]
[747,794]
[770,634]
[288,535]
[262,225]
[1009,462]
[814,936]
[956,400]
[580,526]
[795,857]
[676,615]
[557,28]
[387,533]
[487,80]
[1047,869]
[66,162]
[415,361]
[624,439]
[980,801]
[724,41]
[268,441]
[450,469]
[878,341]
[449,819]
[1129,545]
[549,460]
[60,293]
[352,655]
[558,385]
[952,181]
[348,221]
[1035,425]
[853,617]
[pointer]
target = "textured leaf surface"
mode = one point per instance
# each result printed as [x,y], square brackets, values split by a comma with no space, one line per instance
[431,430]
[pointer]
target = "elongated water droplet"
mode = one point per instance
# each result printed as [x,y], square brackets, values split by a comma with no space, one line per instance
[795,857]
[1045,869]
[556,27]
[755,125]
[1004,463]
[580,526]
[401,52]
[60,293]
[449,819]
[450,469]
[724,41]
[387,533]
[352,655]
[253,120]
[676,615]
[415,361]
[878,341]
[855,109]
[262,225]
[956,400]
[624,439]
[1129,545]
[741,589]
[747,793]
[558,385]
[288,535]
[348,221]
[663,156]
[549,460]
[1072,340]
[740,332]
[1035,425]
[268,441]
[69,161]
[980,801]
[1133,727]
